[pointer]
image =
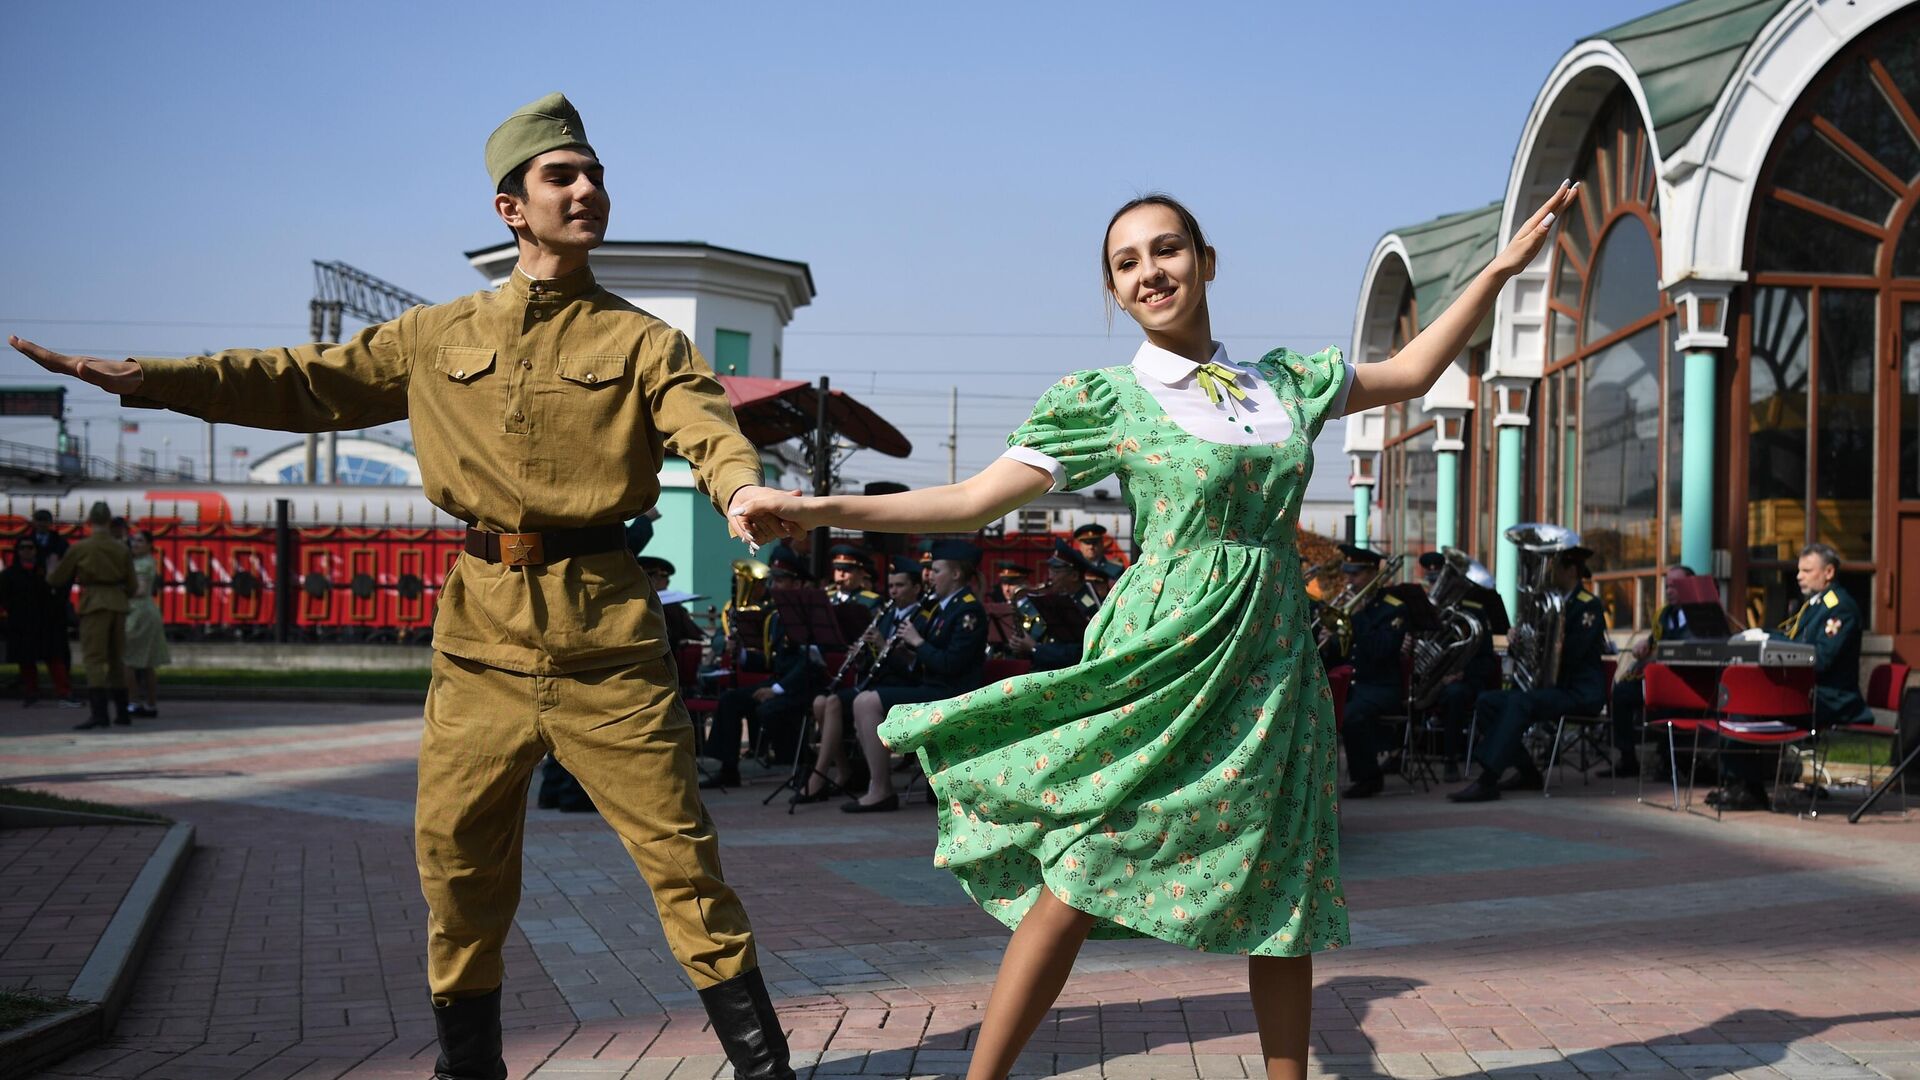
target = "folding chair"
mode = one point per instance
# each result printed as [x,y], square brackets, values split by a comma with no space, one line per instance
[1684,696]
[1589,735]
[1885,686]
[1763,694]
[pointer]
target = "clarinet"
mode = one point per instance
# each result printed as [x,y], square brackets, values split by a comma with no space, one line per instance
[892,639]
[853,654]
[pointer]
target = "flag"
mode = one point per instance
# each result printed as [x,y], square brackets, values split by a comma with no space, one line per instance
[239,451]
[129,427]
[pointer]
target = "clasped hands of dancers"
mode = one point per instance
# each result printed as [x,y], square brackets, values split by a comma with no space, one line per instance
[1177,782]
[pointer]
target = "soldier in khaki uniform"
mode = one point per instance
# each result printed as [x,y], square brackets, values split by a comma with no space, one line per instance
[541,412]
[103,568]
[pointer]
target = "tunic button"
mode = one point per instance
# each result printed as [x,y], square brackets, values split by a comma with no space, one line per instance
[528,364]
[460,373]
[518,417]
[591,377]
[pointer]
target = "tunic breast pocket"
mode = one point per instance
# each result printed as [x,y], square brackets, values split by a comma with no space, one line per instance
[591,390]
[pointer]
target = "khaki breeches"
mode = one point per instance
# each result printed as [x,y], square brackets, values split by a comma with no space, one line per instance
[103,649]
[624,735]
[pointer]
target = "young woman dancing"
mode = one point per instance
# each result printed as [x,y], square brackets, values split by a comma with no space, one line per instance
[1179,781]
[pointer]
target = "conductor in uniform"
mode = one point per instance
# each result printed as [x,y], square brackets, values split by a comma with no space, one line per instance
[542,412]
[1377,690]
[1579,688]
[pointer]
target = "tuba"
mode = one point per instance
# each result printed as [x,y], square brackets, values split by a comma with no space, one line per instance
[1440,655]
[1336,619]
[1540,619]
[746,613]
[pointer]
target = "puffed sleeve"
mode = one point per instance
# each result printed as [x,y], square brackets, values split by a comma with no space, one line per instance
[1070,433]
[1321,384]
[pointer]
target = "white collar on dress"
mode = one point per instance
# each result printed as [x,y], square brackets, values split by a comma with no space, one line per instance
[1172,369]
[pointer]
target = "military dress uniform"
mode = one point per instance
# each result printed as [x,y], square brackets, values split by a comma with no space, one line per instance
[542,412]
[103,568]
[1053,650]
[1377,690]
[1453,707]
[1830,622]
[1580,688]
[952,659]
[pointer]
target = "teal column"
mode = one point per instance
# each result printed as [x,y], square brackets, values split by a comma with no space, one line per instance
[1696,463]
[1362,514]
[1446,509]
[1507,514]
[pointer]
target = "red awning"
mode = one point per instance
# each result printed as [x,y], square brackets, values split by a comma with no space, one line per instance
[775,410]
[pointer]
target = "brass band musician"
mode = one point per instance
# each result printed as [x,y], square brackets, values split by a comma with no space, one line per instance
[882,663]
[1034,639]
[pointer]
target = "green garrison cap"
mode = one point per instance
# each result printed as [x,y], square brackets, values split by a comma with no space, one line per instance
[552,123]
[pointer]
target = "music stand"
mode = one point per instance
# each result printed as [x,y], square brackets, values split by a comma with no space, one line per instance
[1001,620]
[807,618]
[1066,620]
[1420,616]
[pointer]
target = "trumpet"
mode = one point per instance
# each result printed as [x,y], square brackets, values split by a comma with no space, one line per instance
[1336,619]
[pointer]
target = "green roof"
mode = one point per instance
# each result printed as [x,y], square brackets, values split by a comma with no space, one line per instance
[1684,56]
[1444,254]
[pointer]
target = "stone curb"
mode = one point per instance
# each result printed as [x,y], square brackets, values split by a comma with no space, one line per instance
[25,1050]
[106,980]
[47,817]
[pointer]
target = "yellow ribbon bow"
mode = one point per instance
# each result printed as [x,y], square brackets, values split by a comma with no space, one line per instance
[1213,378]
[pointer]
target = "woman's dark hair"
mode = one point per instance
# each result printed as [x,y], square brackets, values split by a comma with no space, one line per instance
[1151,198]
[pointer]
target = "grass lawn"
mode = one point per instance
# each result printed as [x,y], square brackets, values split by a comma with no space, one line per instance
[405,679]
[17,1009]
[12,796]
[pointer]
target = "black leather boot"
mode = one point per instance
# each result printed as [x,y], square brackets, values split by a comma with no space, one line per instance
[120,714]
[97,706]
[749,1030]
[469,1038]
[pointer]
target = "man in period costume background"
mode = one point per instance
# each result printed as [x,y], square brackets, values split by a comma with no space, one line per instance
[541,412]
[103,568]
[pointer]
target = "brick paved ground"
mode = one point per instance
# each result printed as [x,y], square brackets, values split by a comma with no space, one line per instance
[1583,934]
[58,890]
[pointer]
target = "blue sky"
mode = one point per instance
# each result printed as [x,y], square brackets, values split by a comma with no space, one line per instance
[946,171]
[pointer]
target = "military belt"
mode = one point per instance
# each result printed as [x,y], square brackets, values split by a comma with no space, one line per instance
[536,548]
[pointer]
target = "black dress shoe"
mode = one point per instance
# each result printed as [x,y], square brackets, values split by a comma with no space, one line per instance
[1365,789]
[855,806]
[720,781]
[802,798]
[1482,789]
[1531,780]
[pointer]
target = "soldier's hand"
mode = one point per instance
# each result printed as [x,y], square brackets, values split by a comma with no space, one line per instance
[113,376]
[781,513]
[1019,642]
[910,634]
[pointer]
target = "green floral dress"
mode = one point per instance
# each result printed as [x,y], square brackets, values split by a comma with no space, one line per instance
[1178,783]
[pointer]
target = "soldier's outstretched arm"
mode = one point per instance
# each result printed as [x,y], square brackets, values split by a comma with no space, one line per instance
[357,383]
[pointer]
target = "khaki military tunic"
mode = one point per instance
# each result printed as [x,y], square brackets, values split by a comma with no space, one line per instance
[541,405]
[103,568]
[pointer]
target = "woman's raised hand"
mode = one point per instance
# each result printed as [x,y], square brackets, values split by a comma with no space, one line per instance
[1533,234]
[113,376]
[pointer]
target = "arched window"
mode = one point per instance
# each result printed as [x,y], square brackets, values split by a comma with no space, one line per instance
[1835,254]
[1608,404]
[1409,476]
